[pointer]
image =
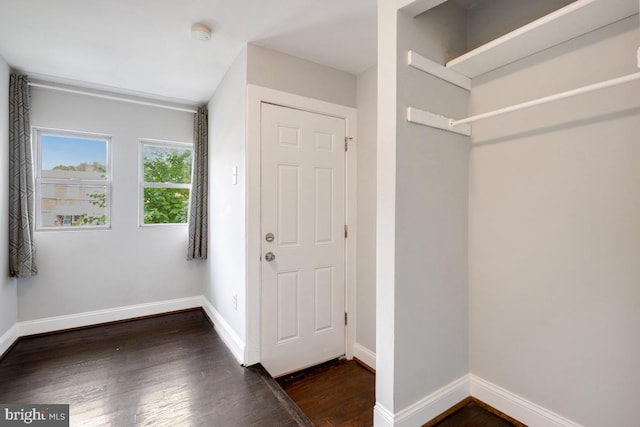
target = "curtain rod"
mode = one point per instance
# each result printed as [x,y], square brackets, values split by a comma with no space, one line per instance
[546,99]
[112,97]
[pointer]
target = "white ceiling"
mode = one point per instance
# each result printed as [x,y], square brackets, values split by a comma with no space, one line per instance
[145,47]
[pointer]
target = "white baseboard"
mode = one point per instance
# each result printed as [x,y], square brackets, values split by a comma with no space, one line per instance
[434,404]
[228,335]
[426,408]
[515,406]
[470,385]
[365,355]
[8,338]
[382,417]
[59,323]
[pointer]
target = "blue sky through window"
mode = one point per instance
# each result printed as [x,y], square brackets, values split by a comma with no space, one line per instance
[61,150]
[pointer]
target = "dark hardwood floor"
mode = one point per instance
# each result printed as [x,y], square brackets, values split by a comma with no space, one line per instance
[174,370]
[171,370]
[342,393]
[338,393]
[474,415]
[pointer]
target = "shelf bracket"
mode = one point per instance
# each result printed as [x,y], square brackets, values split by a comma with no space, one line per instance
[421,63]
[437,121]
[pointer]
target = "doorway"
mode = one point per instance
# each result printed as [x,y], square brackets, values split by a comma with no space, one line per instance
[303,238]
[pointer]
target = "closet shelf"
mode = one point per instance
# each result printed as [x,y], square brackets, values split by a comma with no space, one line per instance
[573,20]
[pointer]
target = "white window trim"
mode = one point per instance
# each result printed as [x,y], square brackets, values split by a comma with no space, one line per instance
[142,185]
[36,133]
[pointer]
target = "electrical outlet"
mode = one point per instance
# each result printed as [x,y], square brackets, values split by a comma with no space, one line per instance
[235,301]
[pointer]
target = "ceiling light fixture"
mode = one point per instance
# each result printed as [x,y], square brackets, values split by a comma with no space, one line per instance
[200,32]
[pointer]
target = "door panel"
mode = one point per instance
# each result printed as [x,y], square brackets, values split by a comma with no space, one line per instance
[288,211]
[324,206]
[303,205]
[324,299]
[288,307]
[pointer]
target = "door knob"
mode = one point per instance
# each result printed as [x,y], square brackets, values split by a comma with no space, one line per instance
[269,256]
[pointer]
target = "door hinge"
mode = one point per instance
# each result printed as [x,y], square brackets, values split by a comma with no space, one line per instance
[346,318]
[346,231]
[346,143]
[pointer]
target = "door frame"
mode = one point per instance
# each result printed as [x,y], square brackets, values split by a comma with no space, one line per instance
[256,95]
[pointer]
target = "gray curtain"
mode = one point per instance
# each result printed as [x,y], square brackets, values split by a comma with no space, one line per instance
[198,211]
[22,252]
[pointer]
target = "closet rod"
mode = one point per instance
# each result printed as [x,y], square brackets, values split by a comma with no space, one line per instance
[546,99]
[111,97]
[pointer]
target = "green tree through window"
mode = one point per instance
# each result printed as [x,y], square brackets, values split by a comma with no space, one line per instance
[167,182]
[99,200]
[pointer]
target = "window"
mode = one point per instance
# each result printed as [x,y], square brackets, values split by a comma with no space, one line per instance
[73,180]
[166,182]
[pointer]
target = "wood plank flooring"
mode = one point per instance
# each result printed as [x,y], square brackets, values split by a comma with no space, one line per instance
[338,393]
[342,393]
[473,415]
[174,370]
[171,370]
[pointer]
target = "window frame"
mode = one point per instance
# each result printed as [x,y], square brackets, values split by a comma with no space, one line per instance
[142,184]
[36,140]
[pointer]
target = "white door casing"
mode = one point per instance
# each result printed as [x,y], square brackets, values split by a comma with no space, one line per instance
[303,206]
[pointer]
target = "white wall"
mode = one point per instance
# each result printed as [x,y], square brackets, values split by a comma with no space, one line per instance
[431,332]
[227,265]
[82,271]
[366,244]
[8,290]
[490,19]
[422,312]
[441,33]
[386,210]
[555,232]
[276,70]
[227,232]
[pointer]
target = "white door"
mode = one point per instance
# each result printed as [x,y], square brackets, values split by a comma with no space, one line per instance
[303,217]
